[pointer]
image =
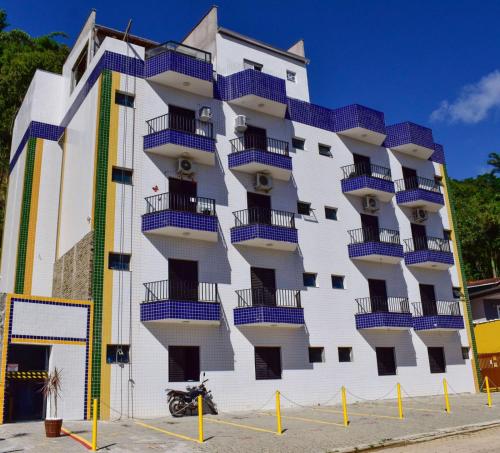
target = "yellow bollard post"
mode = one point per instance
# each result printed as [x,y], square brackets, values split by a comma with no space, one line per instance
[94,426]
[446,399]
[400,402]
[344,407]
[200,419]
[279,430]
[488,390]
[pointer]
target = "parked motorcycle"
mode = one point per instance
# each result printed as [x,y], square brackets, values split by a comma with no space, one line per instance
[181,403]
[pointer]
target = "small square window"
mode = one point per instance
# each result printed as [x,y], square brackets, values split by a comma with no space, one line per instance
[298,143]
[345,354]
[457,292]
[438,180]
[122,175]
[309,279]
[330,213]
[337,281]
[117,353]
[447,235]
[303,208]
[291,76]
[248,64]
[465,353]
[119,261]
[125,99]
[316,354]
[325,150]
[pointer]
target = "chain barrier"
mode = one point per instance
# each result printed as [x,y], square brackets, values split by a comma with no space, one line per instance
[311,406]
[372,399]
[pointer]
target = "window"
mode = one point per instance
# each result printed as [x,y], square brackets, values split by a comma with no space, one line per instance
[309,279]
[127,100]
[316,354]
[291,76]
[457,292]
[337,281]
[330,213]
[267,363]
[79,67]
[345,354]
[298,143]
[247,64]
[303,208]
[465,352]
[183,363]
[386,361]
[324,150]
[122,175]
[117,353]
[119,261]
[436,360]
[438,180]
[447,235]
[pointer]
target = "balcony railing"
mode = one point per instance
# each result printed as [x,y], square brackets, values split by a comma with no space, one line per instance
[180,123]
[437,308]
[367,234]
[268,297]
[416,182]
[366,169]
[427,243]
[270,145]
[173,46]
[181,290]
[180,202]
[264,216]
[383,305]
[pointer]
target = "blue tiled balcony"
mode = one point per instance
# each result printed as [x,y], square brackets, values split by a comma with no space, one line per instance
[392,313]
[181,302]
[269,307]
[411,139]
[271,156]
[419,192]
[360,123]
[365,179]
[174,136]
[254,90]
[181,216]
[180,66]
[438,315]
[428,253]
[268,228]
[378,245]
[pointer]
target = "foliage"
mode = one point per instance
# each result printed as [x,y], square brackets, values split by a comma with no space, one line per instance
[51,389]
[494,161]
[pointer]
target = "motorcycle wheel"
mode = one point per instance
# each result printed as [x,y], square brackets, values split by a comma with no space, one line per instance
[177,407]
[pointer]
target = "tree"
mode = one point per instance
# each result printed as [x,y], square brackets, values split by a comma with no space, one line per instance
[494,160]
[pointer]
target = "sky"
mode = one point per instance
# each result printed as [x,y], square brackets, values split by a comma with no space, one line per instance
[428,61]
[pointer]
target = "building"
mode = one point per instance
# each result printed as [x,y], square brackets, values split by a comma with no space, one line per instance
[485,307]
[180,208]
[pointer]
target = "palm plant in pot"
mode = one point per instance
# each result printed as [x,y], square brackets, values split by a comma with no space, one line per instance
[51,390]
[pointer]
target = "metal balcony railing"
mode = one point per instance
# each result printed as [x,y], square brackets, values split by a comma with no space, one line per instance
[417,182]
[271,145]
[180,123]
[180,202]
[264,216]
[427,243]
[174,46]
[383,305]
[437,308]
[181,290]
[367,234]
[268,297]
[366,169]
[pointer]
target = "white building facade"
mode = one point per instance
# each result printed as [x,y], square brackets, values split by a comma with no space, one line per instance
[182,208]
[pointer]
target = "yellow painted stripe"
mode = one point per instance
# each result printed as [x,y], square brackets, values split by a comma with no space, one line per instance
[89,361]
[361,414]
[180,436]
[253,428]
[77,437]
[422,410]
[4,356]
[51,299]
[61,189]
[310,420]
[43,341]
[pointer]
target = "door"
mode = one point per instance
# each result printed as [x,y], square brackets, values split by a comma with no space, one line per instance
[362,165]
[183,280]
[410,178]
[428,298]
[419,236]
[181,119]
[182,195]
[255,138]
[370,228]
[378,295]
[263,283]
[259,208]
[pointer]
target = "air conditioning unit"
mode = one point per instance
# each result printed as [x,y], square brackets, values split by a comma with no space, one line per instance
[240,123]
[185,166]
[263,182]
[205,114]
[420,215]
[370,204]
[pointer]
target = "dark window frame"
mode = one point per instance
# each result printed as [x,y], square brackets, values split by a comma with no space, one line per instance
[191,372]
[385,365]
[447,234]
[343,353]
[310,274]
[112,351]
[304,208]
[254,65]
[457,292]
[122,95]
[327,150]
[273,372]
[301,142]
[291,76]
[80,67]
[465,353]
[316,354]
[435,364]
[333,210]
[342,280]
[116,170]
[124,264]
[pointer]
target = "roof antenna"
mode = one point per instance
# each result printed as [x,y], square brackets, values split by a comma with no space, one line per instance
[125,36]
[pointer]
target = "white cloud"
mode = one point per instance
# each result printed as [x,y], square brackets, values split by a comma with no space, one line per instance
[474,102]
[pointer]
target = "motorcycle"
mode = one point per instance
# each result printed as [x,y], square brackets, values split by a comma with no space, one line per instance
[180,403]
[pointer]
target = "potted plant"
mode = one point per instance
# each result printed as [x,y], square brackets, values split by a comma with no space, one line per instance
[51,390]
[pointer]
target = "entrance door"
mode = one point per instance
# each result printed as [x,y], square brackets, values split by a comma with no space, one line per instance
[419,236]
[378,295]
[263,282]
[183,280]
[370,228]
[362,165]
[255,138]
[428,298]
[182,195]
[181,119]
[410,178]
[259,208]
